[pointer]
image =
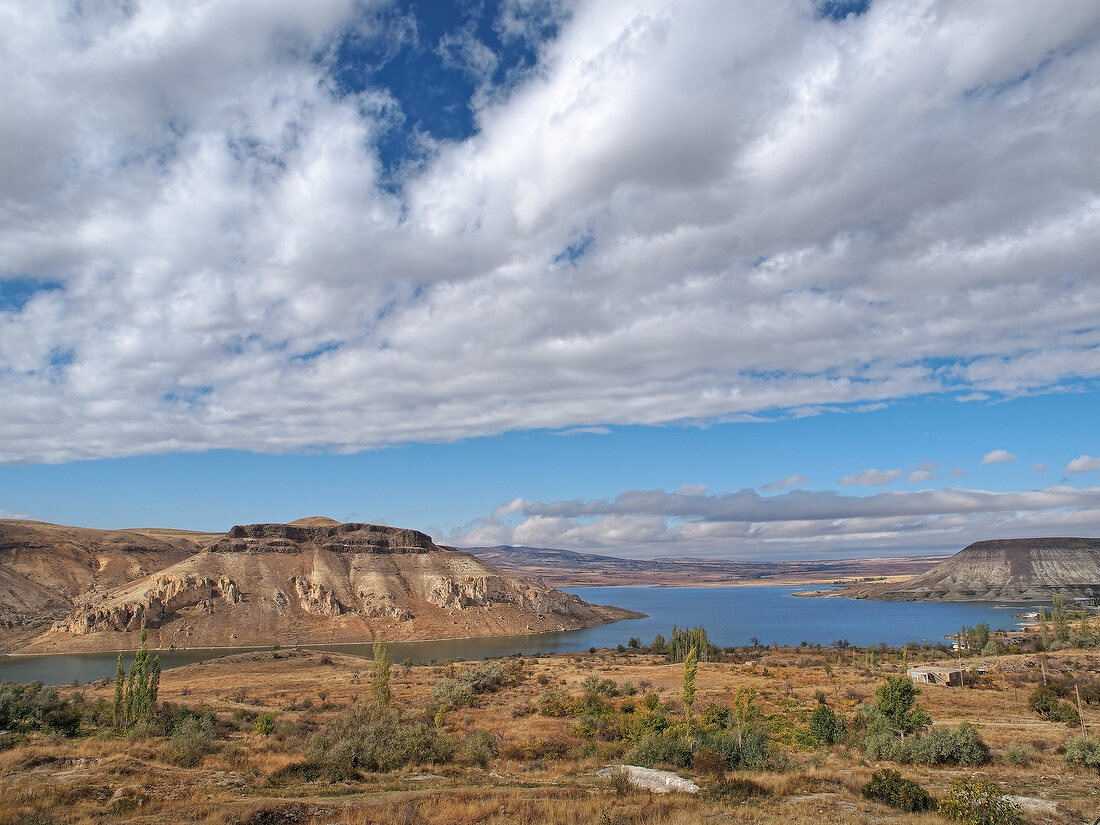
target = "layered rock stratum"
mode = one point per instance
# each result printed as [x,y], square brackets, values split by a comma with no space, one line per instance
[1011,570]
[311,581]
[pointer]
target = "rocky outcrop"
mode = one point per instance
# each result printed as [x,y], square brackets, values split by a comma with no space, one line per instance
[335,538]
[315,599]
[485,591]
[168,595]
[1011,570]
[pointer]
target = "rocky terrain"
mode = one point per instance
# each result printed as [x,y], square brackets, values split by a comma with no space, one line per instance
[316,581]
[1016,570]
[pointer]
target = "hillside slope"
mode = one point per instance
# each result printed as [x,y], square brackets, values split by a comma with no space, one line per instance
[317,581]
[45,567]
[1003,570]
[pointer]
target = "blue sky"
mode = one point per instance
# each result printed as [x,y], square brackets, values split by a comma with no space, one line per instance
[795,279]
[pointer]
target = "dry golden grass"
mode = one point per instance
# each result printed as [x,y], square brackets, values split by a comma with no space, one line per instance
[108,778]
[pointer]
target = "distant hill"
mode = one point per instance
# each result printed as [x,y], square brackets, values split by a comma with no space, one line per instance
[313,581]
[564,568]
[1003,570]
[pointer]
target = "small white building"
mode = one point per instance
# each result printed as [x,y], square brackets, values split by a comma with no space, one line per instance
[936,675]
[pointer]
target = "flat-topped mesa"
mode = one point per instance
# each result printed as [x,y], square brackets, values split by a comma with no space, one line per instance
[352,537]
[1004,570]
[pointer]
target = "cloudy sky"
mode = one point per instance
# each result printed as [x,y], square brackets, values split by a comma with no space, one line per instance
[766,279]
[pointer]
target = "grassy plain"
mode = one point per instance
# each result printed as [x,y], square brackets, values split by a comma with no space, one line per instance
[544,768]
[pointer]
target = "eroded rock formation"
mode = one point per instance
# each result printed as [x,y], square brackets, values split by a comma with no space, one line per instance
[1004,570]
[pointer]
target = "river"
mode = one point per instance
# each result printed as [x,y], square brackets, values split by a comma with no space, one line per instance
[731,615]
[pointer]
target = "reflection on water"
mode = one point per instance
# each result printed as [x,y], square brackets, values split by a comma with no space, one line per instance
[731,615]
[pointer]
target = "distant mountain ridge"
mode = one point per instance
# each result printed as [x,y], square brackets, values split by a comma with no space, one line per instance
[312,581]
[1003,570]
[569,568]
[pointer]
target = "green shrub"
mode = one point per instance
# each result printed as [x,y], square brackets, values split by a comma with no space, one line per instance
[667,748]
[1082,751]
[962,746]
[372,738]
[265,724]
[1017,753]
[36,707]
[826,727]
[480,747]
[191,741]
[890,788]
[1046,701]
[977,803]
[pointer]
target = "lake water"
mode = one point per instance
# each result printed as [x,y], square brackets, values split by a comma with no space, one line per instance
[731,615]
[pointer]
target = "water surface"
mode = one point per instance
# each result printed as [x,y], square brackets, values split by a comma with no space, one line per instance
[731,615]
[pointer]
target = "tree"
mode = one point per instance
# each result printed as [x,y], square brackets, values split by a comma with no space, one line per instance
[120,676]
[380,673]
[136,695]
[691,663]
[897,698]
[825,726]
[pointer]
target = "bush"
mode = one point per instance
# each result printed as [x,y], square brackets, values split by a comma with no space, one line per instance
[372,738]
[1017,753]
[977,803]
[480,747]
[826,727]
[191,741]
[1046,701]
[962,745]
[265,724]
[35,707]
[890,788]
[1082,751]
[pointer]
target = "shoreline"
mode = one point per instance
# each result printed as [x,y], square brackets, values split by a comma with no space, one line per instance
[634,614]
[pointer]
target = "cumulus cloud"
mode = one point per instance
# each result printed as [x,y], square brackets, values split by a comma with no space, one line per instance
[926,472]
[799,523]
[825,213]
[1083,464]
[1039,468]
[784,483]
[998,457]
[870,478]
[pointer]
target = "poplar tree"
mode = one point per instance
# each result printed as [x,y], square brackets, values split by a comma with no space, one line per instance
[691,663]
[136,695]
[120,676]
[380,673]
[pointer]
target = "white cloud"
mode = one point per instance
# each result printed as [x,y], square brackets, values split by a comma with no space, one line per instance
[1083,464]
[784,483]
[926,472]
[1039,468]
[998,457]
[795,524]
[870,478]
[822,215]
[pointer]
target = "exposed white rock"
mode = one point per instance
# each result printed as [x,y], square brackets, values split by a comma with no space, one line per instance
[651,779]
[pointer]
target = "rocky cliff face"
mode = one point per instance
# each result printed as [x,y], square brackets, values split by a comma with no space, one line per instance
[1004,570]
[335,538]
[263,584]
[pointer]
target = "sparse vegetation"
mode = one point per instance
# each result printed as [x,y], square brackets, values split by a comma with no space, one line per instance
[766,724]
[890,788]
